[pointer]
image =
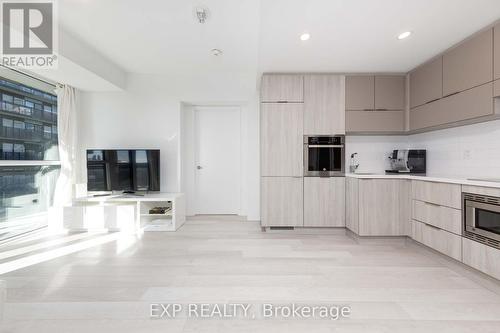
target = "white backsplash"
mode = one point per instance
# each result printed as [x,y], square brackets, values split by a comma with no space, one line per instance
[466,151]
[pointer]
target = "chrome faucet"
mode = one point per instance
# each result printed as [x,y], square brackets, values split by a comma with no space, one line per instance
[353,166]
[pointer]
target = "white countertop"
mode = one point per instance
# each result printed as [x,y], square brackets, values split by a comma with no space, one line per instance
[429,178]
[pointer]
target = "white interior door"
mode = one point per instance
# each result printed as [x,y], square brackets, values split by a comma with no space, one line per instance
[218,160]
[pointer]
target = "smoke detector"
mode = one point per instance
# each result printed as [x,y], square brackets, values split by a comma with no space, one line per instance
[216,52]
[201,14]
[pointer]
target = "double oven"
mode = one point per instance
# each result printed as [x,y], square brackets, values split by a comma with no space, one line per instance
[324,155]
[481,215]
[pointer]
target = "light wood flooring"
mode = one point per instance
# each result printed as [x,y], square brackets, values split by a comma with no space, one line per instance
[391,285]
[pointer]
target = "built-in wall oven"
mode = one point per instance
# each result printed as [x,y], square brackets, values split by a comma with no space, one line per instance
[324,155]
[481,215]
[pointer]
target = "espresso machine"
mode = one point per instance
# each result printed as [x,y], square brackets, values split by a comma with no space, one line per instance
[408,161]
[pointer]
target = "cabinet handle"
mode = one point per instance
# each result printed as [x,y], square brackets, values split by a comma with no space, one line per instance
[453,93]
[432,226]
[368,110]
[433,100]
[381,109]
[432,204]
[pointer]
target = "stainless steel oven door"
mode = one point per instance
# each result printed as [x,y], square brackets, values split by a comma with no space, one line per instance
[482,219]
[324,160]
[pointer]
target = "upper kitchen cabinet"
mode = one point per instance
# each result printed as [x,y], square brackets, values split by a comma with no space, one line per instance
[426,83]
[281,133]
[496,51]
[360,92]
[324,104]
[390,92]
[469,64]
[282,88]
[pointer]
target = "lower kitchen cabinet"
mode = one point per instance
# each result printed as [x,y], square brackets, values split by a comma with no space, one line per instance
[438,239]
[482,257]
[282,201]
[378,207]
[352,204]
[324,202]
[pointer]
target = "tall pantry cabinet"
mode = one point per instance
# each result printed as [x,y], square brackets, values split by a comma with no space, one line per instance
[294,105]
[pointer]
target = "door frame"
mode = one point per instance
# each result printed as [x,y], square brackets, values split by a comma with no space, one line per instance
[194,163]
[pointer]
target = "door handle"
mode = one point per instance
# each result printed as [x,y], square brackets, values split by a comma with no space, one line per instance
[199,167]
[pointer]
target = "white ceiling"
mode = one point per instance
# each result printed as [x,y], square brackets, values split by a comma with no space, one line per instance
[162,36]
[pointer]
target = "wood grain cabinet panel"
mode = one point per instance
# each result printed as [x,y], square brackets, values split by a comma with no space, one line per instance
[482,257]
[469,64]
[426,83]
[281,139]
[446,218]
[324,202]
[379,210]
[282,88]
[282,201]
[390,93]
[324,104]
[470,104]
[443,194]
[360,92]
[438,239]
[352,205]
[496,51]
[375,121]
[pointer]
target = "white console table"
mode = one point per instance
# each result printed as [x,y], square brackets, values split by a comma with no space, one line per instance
[125,212]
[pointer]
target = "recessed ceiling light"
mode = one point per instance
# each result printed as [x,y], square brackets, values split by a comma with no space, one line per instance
[305,36]
[216,52]
[404,35]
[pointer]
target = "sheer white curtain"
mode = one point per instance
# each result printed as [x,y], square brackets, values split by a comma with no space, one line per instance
[67,133]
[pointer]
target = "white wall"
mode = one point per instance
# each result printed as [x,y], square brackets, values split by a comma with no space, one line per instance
[466,151]
[148,115]
[373,151]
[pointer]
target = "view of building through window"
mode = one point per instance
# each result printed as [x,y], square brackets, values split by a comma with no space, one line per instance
[28,132]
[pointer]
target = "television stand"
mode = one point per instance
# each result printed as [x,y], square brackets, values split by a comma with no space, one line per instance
[126,213]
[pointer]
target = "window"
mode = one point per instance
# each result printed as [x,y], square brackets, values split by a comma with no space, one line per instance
[28,136]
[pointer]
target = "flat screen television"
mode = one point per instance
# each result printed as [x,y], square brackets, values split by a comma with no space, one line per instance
[123,170]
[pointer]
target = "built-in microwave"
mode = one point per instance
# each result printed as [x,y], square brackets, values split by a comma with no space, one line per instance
[481,216]
[324,155]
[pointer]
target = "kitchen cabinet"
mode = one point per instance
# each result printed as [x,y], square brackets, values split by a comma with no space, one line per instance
[360,92]
[426,83]
[378,207]
[375,121]
[467,105]
[281,139]
[375,104]
[438,239]
[482,257]
[469,64]
[446,218]
[352,204]
[443,194]
[390,93]
[282,201]
[324,104]
[324,202]
[282,88]
[496,51]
